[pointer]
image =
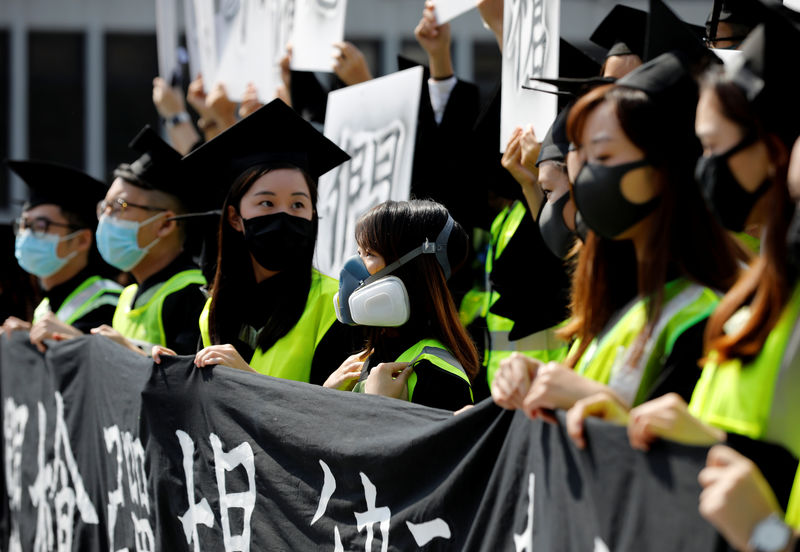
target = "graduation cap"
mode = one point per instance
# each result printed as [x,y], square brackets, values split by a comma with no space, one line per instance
[50,183]
[666,32]
[555,144]
[157,168]
[577,74]
[768,83]
[272,134]
[622,31]
[735,12]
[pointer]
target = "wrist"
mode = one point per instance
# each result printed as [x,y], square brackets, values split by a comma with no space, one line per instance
[177,119]
[771,534]
[441,69]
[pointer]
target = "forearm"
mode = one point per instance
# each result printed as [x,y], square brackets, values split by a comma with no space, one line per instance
[441,64]
[183,136]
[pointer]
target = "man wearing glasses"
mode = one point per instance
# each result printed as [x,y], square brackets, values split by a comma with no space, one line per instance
[137,233]
[54,242]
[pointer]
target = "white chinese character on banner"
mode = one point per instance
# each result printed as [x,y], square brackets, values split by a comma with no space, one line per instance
[199,513]
[58,482]
[128,453]
[422,533]
[15,420]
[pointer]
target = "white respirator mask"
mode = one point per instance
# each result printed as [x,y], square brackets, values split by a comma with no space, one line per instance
[381,299]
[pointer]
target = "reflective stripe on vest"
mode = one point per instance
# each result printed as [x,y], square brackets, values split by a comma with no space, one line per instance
[606,360]
[497,346]
[545,346]
[142,322]
[758,399]
[292,355]
[94,292]
[437,354]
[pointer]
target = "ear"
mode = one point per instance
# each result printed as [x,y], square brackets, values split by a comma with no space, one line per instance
[235,219]
[167,226]
[84,239]
[779,155]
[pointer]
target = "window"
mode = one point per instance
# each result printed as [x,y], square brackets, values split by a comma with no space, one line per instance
[56,120]
[486,66]
[131,64]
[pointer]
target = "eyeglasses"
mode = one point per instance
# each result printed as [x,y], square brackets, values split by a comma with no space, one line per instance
[712,42]
[119,205]
[39,226]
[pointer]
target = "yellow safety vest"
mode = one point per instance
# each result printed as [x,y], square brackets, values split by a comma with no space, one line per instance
[142,322]
[93,292]
[543,345]
[606,358]
[793,511]
[758,399]
[434,352]
[291,356]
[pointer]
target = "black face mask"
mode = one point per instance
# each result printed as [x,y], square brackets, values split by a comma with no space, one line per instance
[726,199]
[581,229]
[598,197]
[279,241]
[555,232]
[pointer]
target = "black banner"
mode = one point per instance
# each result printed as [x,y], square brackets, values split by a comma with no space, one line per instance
[105,451]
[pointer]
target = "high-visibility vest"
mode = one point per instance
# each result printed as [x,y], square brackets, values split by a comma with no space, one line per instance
[291,356]
[543,345]
[606,360]
[793,511]
[757,399]
[434,352]
[142,322]
[94,292]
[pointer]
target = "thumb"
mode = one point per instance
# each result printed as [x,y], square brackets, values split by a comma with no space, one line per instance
[720,455]
[405,373]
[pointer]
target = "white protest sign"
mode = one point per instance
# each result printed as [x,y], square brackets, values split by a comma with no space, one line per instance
[167,38]
[447,10]
[318,24]
[727,56]
[376,123]
[204,37]
[530,49]
[241,42]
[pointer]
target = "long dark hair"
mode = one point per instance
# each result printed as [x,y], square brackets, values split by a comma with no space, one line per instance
[394,228]
[766,283]
[684,237]
[234,282]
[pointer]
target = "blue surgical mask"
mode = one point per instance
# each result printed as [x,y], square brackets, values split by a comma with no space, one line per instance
[118,242]
[37,254]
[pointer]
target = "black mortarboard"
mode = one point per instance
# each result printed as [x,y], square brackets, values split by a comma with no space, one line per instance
[768,83]
[577,73]
[747,13]
[157,168]
[555,144]
[274,133]
[666,32]
[49,183]
[622,31]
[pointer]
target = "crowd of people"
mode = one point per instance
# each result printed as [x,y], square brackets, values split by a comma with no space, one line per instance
[637,264]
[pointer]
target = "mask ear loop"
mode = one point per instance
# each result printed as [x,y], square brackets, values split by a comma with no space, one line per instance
[438,248]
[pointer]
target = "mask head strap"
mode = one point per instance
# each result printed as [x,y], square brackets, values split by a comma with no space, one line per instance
[438,248]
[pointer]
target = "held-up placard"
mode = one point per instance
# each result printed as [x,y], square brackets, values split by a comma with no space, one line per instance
[376,123]
[530,49]
[318,24]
